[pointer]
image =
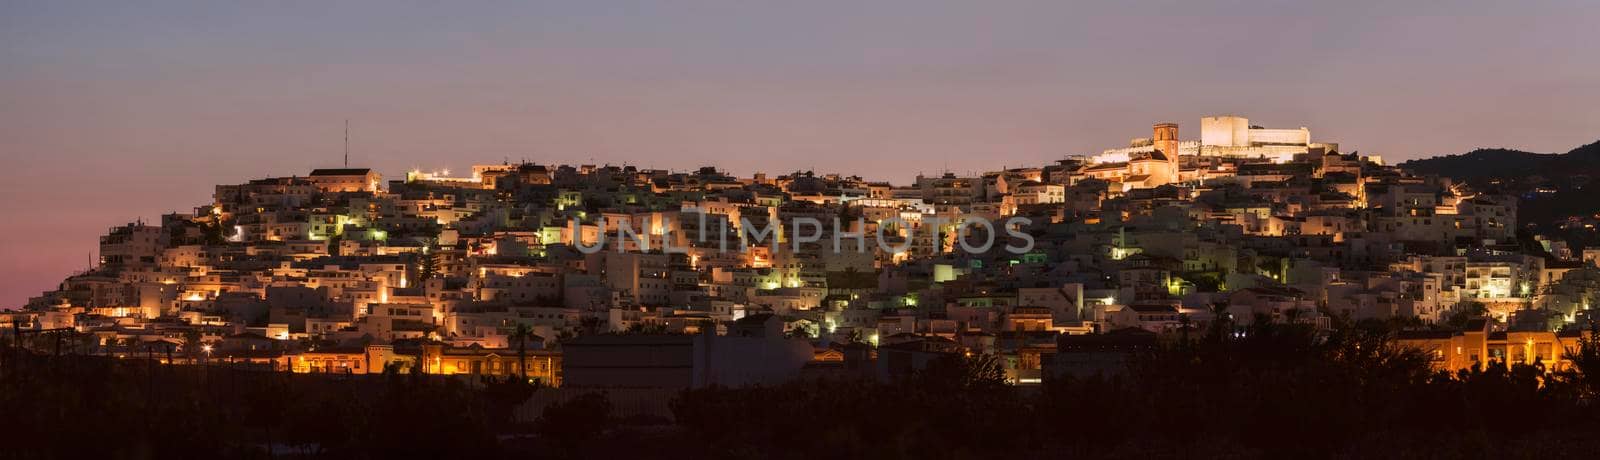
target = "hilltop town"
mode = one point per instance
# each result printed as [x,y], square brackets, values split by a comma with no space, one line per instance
[487,273]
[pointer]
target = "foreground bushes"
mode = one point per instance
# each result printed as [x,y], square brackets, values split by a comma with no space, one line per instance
[1277,392]
[91,407]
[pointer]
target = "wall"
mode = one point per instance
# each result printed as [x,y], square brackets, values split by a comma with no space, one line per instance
[1297,137]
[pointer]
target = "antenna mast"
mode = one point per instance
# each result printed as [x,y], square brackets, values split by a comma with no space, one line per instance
[347,142]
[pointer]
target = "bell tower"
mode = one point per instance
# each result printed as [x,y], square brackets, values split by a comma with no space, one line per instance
[1165,139]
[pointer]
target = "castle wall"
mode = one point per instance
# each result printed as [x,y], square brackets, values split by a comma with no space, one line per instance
[1300,136]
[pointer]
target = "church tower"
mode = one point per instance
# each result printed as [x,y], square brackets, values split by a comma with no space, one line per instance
[1165,139]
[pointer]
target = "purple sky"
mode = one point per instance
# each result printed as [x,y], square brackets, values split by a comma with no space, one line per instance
[111,111]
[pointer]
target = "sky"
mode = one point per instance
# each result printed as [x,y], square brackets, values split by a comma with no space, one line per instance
[117,111]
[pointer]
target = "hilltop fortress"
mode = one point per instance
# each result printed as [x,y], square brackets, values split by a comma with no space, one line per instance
[1163,158]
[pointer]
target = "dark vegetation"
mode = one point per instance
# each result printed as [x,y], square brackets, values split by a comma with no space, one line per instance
[1278,392]
[95,407]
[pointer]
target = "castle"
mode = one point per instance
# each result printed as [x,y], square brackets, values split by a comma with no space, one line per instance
[1160,159]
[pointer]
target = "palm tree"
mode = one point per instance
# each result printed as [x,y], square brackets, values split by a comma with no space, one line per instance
[522,334]
[191,343]
[1219,321]
[1183,324]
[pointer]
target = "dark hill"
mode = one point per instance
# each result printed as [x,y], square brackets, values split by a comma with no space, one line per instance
[1509,164]
[1550,187]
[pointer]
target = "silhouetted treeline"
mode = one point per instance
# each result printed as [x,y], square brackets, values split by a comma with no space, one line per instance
[1276,392]
[96,407]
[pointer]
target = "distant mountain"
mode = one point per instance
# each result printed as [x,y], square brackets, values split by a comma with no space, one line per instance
[1513,165]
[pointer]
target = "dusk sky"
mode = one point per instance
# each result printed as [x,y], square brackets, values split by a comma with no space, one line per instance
[114,111]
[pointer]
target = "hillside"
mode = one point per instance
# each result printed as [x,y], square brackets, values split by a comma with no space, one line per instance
[1513,165]
[1551,188]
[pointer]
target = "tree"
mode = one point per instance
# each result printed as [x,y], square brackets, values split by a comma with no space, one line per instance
[1184,323]
[576,420]
[856,337]
[646,328]
[503,396]
[427,266]
[522,334]
[1464,312]
[1585,359]
[804,330]
[591,325]
[962,372]
[1221,322]
[191,343]
[216,233]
